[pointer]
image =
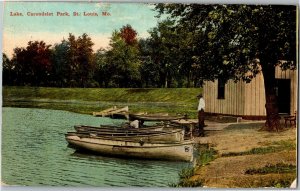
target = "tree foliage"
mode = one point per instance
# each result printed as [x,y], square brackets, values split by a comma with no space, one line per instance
[119,65]
[239,41]
[129,35]
[32,64]
[195,43]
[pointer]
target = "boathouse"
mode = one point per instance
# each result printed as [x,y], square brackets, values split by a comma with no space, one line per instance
[247,100]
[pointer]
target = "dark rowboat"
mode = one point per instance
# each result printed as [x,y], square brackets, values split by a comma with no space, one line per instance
[111,128]
[169,135]
[154,117]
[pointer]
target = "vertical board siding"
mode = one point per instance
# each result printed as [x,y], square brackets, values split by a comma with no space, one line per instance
[233,102]
[255,97]
[294,91]
[246,99]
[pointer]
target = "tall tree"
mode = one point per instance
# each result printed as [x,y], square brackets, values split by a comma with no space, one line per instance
[8,70]
[85,58]
[61,68]
[239,41]
[129,35]
[164,43]
[149,69]
[33,64]
[102,73]
[80,59]
[123,60]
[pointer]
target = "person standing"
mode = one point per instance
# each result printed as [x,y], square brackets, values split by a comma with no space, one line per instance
[201,108]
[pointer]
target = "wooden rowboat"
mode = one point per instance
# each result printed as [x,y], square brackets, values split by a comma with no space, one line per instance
[111,128]
[154,117]
[180,151]
[170,135]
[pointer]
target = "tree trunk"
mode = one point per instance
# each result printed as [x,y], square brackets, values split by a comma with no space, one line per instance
[273,118]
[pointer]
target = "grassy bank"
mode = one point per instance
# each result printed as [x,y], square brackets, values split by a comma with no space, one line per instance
[88,100]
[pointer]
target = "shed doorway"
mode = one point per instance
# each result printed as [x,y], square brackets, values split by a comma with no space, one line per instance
[283,92]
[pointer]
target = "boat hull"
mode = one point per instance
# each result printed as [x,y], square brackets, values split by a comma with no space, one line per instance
[179,151]
[154,117]
[146,136]
[110,128]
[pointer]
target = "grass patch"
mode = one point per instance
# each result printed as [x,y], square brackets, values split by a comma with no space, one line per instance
[278,146]
[286,144]
[270,168]
[206,155]
[88,100]
[266,181]
[280,183]
[173,95]
[184,179]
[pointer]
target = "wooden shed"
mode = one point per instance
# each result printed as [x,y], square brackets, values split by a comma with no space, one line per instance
[247,100]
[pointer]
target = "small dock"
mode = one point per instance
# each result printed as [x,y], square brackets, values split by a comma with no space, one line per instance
[189,123]
[113,112]
[192,123]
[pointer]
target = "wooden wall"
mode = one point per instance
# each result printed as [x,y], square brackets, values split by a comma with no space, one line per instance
[255,99]
[233,102]
[246,99]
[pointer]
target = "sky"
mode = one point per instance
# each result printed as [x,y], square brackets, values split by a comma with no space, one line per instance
[19,30]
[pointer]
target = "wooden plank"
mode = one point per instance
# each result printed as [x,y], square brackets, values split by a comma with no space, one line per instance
[256,97]
[124,109]
[110,111]
[294,91]
[240,110]
[231,94]
[104,111]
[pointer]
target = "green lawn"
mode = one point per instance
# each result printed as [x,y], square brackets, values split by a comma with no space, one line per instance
[87,100]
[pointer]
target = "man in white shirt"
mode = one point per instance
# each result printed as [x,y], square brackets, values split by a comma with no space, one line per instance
[135,124]
[201,108]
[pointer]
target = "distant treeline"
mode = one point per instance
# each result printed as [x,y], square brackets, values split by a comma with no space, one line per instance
[195,43]
[129,62]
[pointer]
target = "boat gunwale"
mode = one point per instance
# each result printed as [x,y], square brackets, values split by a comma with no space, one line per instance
[108,136]
[154,117]
[160,144]
[128,132]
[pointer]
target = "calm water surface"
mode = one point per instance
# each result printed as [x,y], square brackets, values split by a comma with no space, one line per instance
[34,152]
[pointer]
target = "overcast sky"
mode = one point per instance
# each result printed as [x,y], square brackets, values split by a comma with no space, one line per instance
[18,30]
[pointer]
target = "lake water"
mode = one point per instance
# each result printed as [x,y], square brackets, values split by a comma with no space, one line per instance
[35,153]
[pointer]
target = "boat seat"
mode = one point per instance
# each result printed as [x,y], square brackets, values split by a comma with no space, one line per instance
[290,119]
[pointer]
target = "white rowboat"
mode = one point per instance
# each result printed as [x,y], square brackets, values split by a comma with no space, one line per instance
[179,151]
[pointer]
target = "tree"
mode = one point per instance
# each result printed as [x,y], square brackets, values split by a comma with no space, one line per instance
[239,41]
[149,69]
[80,60]
[164,43]
[8,70]
[85,58]
[128,34]
[61,69]
[101,75]
[33,64]
[122,63]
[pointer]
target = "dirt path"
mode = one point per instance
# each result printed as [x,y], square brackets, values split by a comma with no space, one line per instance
[229,172]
